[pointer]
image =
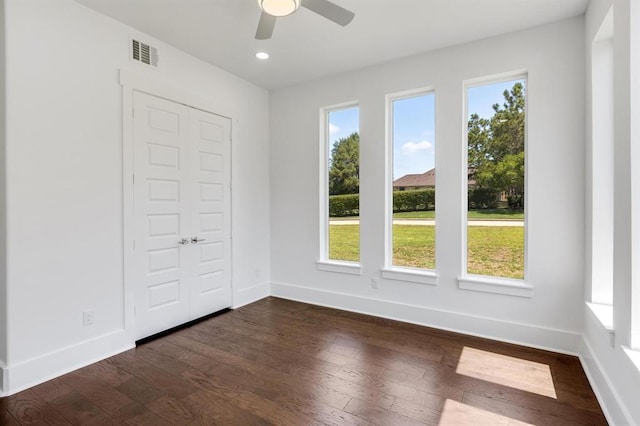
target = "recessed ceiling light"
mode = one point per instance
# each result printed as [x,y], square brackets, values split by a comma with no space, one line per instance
[262,55]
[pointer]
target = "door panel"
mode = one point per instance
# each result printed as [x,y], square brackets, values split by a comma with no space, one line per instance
[161,216]
[211,161]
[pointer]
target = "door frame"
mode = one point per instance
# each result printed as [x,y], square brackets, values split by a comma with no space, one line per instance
[132,81]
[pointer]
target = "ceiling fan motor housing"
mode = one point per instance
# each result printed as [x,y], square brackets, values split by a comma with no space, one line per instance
[279,7]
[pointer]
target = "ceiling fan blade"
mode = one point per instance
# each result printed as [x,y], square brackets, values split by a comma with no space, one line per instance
[265,26]
[329,10]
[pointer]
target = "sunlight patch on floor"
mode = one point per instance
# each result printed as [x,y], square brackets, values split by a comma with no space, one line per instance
[505,370]
[457,413]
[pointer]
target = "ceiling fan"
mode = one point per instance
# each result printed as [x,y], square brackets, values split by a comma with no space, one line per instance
[272,9]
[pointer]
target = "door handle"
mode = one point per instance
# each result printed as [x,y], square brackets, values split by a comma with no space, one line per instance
[183,241]
[195,240]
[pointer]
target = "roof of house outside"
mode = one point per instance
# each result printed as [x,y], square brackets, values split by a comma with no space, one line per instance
[425,179]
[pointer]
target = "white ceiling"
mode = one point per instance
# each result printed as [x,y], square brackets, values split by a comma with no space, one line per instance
[306,46]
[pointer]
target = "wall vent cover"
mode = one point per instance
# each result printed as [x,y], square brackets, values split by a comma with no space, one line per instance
[144,53]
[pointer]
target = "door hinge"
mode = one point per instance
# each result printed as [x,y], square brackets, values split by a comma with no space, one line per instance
[134,244]
[134,178]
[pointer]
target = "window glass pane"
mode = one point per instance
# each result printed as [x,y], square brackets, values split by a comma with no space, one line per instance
[344,184]
[496,180]
[414,182]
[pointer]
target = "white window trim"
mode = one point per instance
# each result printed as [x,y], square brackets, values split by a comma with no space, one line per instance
[601,158]
[485,284]
[634,89]
[633,355]
[339,266]
[604,314]
[324,263]
[389,271]
[482,283]
[412,275]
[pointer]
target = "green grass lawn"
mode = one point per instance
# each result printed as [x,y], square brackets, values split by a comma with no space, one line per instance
[495,251]
[502,214]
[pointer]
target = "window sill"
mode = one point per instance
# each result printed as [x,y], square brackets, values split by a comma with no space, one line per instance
[496,285]
[351,268]
[604,314]
[634,356]
[411,275]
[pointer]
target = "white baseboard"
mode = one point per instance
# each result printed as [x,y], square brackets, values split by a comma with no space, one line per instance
[601,384]
[3,379]
[38,370]
[561,341]
[250,295]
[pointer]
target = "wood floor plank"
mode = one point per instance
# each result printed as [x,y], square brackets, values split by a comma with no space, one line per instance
[148,418]
[525,414]
[160,360]
[243,368]
[129,412]
[78,410]
[168,383]
[218,411]
[428,410]
[27,408]
[287,363]
[515,397]
[379,416]
[176,411]
[269,410]
[318,411]
[52,389]
[6,418]
[457,413]
[224,389]
[140,391]
[108,398]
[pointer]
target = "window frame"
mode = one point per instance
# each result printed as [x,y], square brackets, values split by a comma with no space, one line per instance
[634,91]
[600,291]
[389,271]
[488,283]
[324,263]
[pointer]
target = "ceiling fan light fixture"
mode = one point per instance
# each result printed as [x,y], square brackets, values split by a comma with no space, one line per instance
[279,7]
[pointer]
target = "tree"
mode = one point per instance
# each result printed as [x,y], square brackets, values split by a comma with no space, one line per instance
[344,166]
[496,147]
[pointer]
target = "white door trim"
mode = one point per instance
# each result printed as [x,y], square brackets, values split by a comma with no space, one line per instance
[135,81]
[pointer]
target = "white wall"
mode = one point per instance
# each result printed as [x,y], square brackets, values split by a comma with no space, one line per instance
[553,55]
[65,185]
[615,378]
[3,203]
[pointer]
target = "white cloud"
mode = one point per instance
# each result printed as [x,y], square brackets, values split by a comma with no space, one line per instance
[413,147]
[333,129]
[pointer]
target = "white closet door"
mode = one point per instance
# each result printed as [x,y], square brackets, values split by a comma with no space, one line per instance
[161,214]
[182,214]
[210,137]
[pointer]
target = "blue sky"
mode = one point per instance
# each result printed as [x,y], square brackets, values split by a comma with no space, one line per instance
[414,125]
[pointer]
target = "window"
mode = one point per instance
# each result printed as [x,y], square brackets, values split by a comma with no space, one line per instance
[340,204]
[600,164]
[634,93]
[495,177]
[411,236]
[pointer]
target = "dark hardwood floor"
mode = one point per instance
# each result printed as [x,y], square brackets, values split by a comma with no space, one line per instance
[287,363]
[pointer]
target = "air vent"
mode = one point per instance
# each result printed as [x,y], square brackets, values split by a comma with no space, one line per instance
[144,53]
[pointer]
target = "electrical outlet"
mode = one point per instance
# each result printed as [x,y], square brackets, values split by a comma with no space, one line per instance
[87,317]
[375,283]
